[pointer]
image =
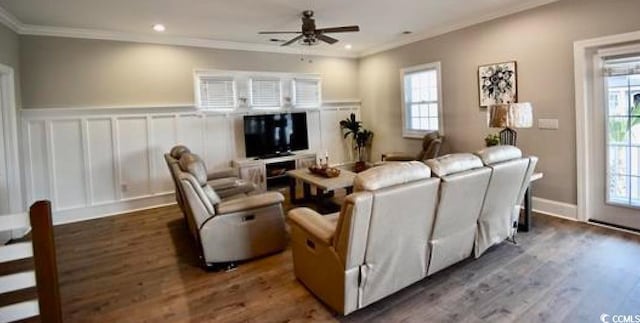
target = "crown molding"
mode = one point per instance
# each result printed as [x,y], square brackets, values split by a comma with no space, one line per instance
[12,22]
[526,5]
[9,20]
[16,25]
[82,33]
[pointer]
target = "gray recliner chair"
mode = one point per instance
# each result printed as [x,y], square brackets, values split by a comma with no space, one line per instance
[431,144]
[229,230]
[379,243]
[508,172]
[462,191]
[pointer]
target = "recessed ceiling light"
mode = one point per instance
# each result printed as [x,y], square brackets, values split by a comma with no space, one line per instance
[159,28]
[347,46]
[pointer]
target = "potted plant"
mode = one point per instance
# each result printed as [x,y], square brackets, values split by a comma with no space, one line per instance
[492,140]
[360,138]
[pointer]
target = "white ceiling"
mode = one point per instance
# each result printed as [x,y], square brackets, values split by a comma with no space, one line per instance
[236,23]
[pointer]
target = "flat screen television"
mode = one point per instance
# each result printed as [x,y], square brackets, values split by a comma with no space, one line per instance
[271,135]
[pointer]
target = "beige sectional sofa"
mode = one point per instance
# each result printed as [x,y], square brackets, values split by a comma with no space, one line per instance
[406,221]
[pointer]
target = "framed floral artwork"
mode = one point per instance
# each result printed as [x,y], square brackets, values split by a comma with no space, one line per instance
[497,83]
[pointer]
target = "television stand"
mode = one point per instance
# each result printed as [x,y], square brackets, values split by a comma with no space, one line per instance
[270,173]
[276,155]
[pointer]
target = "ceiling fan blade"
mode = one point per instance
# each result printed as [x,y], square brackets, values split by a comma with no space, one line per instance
[327,39]
[292,40]
[278,32]
[345,29]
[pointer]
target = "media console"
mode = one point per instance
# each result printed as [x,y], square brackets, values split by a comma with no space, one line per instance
[271,172]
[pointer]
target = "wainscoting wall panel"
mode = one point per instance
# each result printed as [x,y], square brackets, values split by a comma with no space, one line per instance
[100,151]
[68,178]
[93,162]
[219,141]
[37,173]
[163,137]
[133,156]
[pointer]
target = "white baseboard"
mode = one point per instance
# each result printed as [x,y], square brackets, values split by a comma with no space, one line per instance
[540,205]
[116,208]
[555,208]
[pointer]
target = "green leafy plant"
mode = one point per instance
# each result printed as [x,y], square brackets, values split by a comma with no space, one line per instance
[363,139]
[618,128]
[360,137]
[350,126]
[492,140]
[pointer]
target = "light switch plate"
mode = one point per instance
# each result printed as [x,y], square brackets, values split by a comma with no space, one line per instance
[548,124]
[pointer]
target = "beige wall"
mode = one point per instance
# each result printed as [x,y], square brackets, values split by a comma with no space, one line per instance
[63,72]
[541,41]
[9,55]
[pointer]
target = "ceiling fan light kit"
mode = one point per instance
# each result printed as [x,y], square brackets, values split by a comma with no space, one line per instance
[310,35]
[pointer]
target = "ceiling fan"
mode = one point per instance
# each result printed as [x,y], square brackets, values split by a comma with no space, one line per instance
[309,34]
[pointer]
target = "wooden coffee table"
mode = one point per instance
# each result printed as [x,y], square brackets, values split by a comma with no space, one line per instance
[324,186]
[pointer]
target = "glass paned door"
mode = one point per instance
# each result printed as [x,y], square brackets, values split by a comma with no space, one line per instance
[623,135]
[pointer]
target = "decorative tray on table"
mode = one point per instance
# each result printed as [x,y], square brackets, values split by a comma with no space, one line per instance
[324,171]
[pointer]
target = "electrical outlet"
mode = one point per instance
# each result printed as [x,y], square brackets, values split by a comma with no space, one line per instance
[124,187]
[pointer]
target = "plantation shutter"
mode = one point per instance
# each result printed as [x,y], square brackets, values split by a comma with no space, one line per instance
[217,93]
[265,93]
[307,92]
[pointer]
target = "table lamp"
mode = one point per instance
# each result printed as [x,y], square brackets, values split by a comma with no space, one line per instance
[510,116]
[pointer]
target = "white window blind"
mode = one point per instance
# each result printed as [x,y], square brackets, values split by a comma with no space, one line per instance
[621,67]
[265,93]
[421,101]
[307,92]
[217,92]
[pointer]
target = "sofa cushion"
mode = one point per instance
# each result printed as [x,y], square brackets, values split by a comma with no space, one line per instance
[499,154]
[454,163]
[391,174]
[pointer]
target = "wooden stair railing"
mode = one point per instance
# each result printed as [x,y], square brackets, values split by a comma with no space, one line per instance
[45,276]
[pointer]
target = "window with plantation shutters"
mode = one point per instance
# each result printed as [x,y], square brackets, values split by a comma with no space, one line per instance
[265,93]
[216,92]
[306,92]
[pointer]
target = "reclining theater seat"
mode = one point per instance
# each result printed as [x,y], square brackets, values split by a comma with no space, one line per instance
[496,222]
[225,181]
[462,191]
[431,144]
[379,244]
[172,162]
[232,230]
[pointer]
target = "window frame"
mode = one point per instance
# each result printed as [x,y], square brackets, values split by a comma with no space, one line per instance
[198,77]
[408,132]
[294,96]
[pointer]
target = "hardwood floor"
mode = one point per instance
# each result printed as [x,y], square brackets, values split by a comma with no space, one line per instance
[141,267]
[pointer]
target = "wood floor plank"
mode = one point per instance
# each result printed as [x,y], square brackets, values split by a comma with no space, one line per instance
[142,267]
